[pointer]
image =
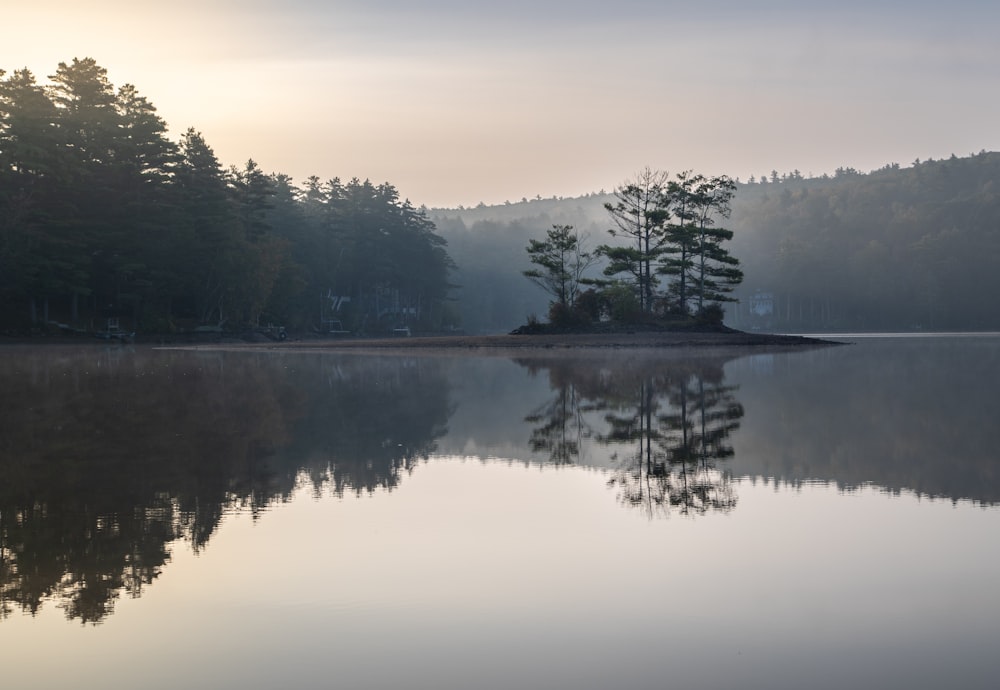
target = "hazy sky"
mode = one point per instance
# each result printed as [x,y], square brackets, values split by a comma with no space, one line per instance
[460,102]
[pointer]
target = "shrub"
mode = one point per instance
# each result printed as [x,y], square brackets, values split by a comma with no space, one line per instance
[711,314]
[623,304]
[563,316]
[590,303]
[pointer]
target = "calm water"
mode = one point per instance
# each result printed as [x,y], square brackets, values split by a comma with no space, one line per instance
[816,519]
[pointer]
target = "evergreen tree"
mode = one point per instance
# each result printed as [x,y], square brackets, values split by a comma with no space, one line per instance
[88,120]
[639,215]
[260,252]
[702,269]
[99,210]
[207,251]
[29,194]
[561,260]
[678,258]
[716,271]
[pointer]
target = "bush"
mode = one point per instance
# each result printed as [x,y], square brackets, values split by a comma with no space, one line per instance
[623,304]
[711,314]
[590,303]
[563,316]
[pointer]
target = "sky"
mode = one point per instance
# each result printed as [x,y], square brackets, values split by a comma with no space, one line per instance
[463,102]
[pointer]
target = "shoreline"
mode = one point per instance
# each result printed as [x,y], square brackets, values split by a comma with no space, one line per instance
[544,342]
[635,340]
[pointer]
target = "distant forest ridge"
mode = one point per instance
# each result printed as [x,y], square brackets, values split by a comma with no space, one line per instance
[899,248]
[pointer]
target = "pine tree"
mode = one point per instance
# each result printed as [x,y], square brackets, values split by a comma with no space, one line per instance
[639,216]
[561,260]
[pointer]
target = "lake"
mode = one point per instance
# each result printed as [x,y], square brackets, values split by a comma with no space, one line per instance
[820,518]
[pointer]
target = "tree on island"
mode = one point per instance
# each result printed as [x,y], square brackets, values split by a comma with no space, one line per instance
[639,215]
[702,269]
[674,225]
[670,231]
[562,260]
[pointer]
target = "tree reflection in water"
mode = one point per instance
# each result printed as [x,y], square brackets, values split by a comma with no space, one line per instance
[108,456]
[669,420]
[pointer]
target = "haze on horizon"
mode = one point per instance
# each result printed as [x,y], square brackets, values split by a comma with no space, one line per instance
[455,103]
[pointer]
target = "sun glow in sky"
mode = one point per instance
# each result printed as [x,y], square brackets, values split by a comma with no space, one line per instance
[456,103]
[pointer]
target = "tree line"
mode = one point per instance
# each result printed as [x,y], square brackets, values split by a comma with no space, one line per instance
[667,231]
[900,248]
[102,215]
[914,248]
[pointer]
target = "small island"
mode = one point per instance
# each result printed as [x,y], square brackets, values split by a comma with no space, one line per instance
[558,341]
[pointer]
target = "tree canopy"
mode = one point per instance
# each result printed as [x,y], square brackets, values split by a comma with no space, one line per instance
[102,215]
[912,248]
[669,228]
[561,260]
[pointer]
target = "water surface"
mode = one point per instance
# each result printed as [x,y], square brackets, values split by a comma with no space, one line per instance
[818,518]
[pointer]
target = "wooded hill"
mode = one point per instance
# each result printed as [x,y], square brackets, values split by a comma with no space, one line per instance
[102,216]
[915,248]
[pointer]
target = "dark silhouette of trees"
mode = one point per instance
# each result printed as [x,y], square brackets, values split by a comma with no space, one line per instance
[381,253]
[561,260]
[29,168]
[702,269]
[669,229]
[639,213]
[102,216]
[209,235]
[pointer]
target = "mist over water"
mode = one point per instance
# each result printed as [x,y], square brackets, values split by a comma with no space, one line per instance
[611,519]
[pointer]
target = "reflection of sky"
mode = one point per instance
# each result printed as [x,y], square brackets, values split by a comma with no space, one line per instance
[491,576]
[456,102]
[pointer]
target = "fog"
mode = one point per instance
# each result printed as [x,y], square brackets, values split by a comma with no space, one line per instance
[909,247]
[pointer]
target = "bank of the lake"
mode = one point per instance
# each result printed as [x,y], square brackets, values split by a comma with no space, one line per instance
[498,343]
[624,339]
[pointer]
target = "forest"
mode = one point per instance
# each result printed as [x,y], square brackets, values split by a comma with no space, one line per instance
[900,248]
[103,219]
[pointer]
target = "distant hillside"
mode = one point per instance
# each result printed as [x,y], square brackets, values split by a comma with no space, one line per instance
[488,245]
[915,248]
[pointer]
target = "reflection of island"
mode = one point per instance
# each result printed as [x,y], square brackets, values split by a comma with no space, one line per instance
[669,421]
[900,415]
[108,456]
